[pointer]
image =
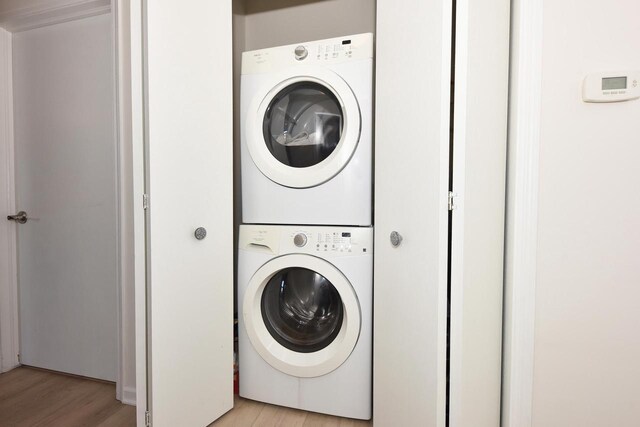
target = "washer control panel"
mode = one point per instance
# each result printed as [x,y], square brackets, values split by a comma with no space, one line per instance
[332,240]
[314,240]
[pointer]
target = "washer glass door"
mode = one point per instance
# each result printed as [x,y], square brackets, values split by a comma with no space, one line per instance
[301,309]
[301,315]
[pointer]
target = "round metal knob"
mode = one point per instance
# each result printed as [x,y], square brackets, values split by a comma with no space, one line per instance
[300,240]
[395,239]
[200,233]
[301,52]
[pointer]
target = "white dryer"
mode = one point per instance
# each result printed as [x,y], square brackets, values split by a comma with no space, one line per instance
[306,133]
[305,329]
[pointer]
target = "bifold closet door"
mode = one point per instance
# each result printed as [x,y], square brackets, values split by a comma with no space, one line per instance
[413,75]
[437,339]
[187,80]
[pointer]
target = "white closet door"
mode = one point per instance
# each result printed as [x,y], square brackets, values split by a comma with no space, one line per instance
[413,74]
[413,385]
[479,166]
[189,159]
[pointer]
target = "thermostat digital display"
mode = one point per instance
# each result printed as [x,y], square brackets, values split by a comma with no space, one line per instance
[611,87]
[612,83]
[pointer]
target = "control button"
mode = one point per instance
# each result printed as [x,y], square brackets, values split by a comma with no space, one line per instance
[301,53]
[300,240]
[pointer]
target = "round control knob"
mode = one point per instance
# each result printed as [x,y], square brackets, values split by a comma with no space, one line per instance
[301,53]
[300,240]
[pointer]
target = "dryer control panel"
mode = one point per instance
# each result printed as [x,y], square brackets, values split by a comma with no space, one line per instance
[314,240]
[321,52]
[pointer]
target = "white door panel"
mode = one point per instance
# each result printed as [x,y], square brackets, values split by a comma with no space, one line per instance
[411,180]
[189,182]
[411,284]
[66,182]
[479,165]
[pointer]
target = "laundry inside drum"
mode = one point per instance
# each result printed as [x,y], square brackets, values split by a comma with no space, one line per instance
[301,309]
[303,124]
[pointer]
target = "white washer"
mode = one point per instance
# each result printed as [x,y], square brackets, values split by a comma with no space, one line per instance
[306,133]
[305,325]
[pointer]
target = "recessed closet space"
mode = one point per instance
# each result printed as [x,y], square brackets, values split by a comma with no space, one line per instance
[302,119]
[258,25]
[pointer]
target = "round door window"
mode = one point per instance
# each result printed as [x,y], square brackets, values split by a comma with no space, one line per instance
[301,309]
[302,125]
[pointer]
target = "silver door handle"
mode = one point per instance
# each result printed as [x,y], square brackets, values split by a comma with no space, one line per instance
[395,238]
[20,217]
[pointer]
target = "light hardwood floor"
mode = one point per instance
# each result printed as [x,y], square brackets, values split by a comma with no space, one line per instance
[255,414]
[33,397]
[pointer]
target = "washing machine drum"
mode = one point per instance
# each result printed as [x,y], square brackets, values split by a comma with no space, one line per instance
[303,128]
[301,315]
[301,309]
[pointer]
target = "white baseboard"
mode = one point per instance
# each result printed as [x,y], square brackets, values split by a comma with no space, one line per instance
[129,396]
[6,366]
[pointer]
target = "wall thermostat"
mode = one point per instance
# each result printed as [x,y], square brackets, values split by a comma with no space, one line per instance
[616,86]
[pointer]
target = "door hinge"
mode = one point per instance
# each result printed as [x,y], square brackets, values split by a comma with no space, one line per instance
[452,201]
[147,418]
[19,359]
[145,201]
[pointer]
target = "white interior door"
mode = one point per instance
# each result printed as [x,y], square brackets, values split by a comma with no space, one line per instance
[189,181]
[66,182]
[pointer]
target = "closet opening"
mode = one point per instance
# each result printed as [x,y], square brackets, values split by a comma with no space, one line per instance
[323,120]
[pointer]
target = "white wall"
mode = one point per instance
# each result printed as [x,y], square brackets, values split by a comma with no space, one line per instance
[287,21]
[586,355]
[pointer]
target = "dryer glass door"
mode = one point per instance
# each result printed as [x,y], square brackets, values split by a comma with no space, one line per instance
[303,124]
[302,127]
[301,309]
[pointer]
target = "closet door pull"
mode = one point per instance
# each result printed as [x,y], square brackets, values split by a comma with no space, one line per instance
[395,238]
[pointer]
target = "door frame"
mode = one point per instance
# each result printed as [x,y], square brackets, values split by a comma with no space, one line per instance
[28,18]
[130,38]
[9,332]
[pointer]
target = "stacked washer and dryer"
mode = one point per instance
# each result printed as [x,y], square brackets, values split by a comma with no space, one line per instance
[305,261]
